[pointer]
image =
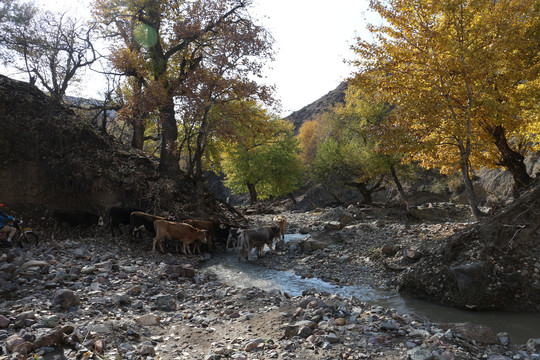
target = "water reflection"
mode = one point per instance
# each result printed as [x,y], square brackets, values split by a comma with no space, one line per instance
[230,269]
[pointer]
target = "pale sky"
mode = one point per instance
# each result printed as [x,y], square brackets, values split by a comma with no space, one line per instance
[312,40]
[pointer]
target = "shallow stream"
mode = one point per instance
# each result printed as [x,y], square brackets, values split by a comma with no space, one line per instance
[230,269]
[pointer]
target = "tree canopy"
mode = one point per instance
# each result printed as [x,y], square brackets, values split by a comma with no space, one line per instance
[187,54]
[265,160]
[339,146]
[461,74]
[52,48]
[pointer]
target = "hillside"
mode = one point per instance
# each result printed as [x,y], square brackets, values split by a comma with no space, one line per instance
[68,164]
[317,107]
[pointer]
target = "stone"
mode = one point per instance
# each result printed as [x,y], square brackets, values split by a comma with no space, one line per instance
[187,271]
[65,298]
[305,332]
[388,250]
[166,303]
[147,349]
[471,280]
[389,326]
[332,338]
[504,338]
[421,354]
[51,321]
[13,341]
[250,346]
[148,320]
[340,321]
[135,290]
[34,263]
[4,322]
[534,345]
[480,333]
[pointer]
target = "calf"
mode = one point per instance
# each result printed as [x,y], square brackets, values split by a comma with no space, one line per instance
[257,238]
[119,216]
[281,221]
[140,220]
[233,238]
[75,218]
[185,233]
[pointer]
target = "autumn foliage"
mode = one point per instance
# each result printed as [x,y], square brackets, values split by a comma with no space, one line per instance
[462,77]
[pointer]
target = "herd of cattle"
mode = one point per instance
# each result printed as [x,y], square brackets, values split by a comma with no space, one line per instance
[189,232]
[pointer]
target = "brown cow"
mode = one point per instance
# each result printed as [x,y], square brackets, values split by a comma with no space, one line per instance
[257,238]
[140,220]
[215,229]
[185,233]
[207,225]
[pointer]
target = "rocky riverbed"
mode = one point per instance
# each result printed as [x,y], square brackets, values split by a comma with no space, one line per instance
[103,298]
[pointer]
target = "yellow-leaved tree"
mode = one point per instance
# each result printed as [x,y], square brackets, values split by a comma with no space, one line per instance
[462,76]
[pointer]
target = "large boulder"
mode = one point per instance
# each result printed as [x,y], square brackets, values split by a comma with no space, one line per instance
[491,265]
[321,240]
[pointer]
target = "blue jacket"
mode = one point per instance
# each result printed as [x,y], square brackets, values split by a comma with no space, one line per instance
[3,218]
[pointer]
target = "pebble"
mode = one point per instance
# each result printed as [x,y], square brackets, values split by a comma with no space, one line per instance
[123,303]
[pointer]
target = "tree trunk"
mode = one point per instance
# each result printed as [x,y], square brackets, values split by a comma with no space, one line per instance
[398,185]
[469,190]
[104,122]
[199,178]
[168,164]
[365,192]
[291,196]
[199,150]
[137,140]
[512,160]
[252,193]
[51,108]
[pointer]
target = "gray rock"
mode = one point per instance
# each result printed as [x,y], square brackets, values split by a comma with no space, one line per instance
[51,321]
[146,349]
[332,338]
[503,338]
[389,326]
[166,303]
[65,298]
[121,299]
[126,347]
[89,269]
[305,332]
[480,333]
[471,280]
[534,345]
[419,353]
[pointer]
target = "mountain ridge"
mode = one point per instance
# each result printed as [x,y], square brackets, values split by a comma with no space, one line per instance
[319,106]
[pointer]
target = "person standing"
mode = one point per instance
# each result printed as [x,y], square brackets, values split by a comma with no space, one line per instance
[10,230]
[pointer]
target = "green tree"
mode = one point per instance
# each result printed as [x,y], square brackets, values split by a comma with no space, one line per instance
[345,148]
[15,17]
[264,164]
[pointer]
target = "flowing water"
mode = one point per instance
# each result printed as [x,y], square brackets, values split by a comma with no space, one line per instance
[231,270]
